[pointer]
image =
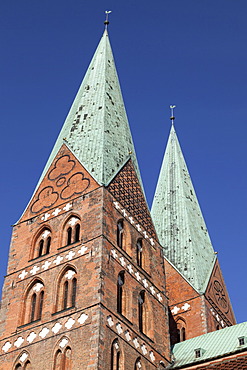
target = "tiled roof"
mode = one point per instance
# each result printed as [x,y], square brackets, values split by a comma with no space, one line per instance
[96,128]
[212,345]
[178,219]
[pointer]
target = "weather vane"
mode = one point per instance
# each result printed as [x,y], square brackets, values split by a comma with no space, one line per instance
[172,112]
[107,12]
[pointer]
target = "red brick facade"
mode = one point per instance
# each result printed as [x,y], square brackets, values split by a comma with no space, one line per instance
[60,297]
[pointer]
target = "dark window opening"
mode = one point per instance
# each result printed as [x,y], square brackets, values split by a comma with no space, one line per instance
[77,233]
[139,256]
[41,246]
[48,245]
[41,301]
[33,307]
[73,298]
[141,301]
[120,229]
[69,236]
[120,283]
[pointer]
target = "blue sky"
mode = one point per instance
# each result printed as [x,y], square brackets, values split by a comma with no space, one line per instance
[190,53]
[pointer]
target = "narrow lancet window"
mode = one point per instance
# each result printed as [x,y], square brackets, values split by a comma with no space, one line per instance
[139,253]
[120,230]
[120,284]
[141,301]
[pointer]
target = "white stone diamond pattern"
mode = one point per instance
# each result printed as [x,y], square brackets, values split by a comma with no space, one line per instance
[56,212]
[69,323]
[34,270]
[63,342]
[152,241]
[119,328]
[23,274]
[73,221]
[116,204]
[122,261]
[43,333]
[124,212]
[175,310]
[151,355]
[67,207]
[145,283]
[114,253]
[18,342]
[6,346]
[45,217]
[31,337]
[46,265]
[152,290]
[139,365]
[136,343]
[82,250]
[130,269]
[23,357]
[138,276]
[145,234]
[186,306]
[144,349]
[70,274]
[138,227]
[45,234]
[82,318]
[127,335]
[58,260]
[159,296]
[70,255]
[110,321]
[55,329]
[37,287]
[131,220]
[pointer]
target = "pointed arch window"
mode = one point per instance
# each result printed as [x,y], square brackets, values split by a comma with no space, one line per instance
[120,288]
[115,356]
[139,253]
[141,303]
[63,360]
[181,330]
[66,291]
[120,233]
[43,244]
[72,231]
[138,364]
[33,302]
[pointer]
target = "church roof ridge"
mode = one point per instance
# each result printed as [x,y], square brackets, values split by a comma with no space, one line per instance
[178,218]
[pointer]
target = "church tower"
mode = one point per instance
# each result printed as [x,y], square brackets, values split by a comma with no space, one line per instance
[85,285]
[198,298]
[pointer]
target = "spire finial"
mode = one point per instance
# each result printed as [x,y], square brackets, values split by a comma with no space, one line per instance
[172,113]
[107,12]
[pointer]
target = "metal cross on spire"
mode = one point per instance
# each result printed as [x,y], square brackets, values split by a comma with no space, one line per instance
[172,113]
[107,12]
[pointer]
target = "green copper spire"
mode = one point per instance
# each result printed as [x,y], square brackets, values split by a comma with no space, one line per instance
[96,129]
[178,219]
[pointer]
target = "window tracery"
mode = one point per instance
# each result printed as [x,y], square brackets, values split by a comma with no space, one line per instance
[72,231]
[116,358]
[42,244]
[66,290]
[33,302]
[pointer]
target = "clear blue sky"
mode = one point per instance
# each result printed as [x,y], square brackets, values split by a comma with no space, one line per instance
[190,53]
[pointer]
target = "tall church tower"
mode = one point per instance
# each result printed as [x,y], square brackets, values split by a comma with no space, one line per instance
[198,297]
[85,285]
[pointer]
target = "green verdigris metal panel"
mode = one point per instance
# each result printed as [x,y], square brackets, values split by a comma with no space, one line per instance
[179,221]
[96,128]
[214,344]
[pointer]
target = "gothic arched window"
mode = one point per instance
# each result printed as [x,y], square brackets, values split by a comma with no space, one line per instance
[181,330]
[72,231]
[42,244]
[66,291]
[63,360]
[139,253]
[34,302]
[120,295]
[120,233]
[115,356]
[141,312]
[138,364]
